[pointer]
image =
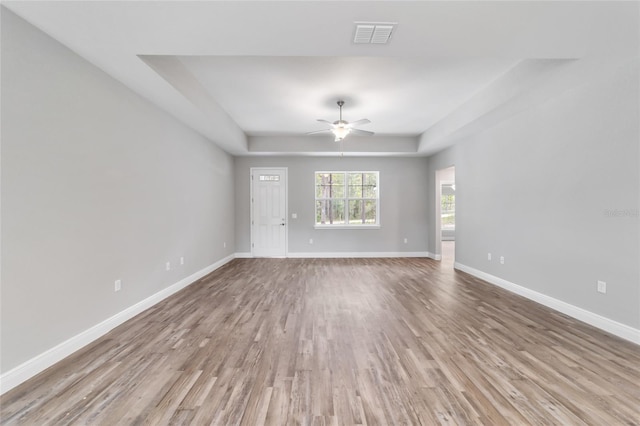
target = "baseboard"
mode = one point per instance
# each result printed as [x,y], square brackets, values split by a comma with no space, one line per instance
[610,326]
[39,363]
[349,254]
[359,254]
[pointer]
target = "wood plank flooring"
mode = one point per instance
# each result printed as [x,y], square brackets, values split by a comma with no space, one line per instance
[340,341]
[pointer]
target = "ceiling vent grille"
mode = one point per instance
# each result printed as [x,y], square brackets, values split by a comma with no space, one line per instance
[373,32]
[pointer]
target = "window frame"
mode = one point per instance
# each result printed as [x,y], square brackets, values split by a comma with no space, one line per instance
[346,200]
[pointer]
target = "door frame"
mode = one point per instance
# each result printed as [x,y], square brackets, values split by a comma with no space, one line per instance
[286,206]
[438,213]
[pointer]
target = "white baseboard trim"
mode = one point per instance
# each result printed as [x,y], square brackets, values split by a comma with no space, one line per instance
[39,363]
[610,326]
[243,255]
[434,256]
[358,254]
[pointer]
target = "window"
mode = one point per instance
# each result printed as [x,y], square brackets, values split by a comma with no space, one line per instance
[270,178]
[448,208]
[347,199]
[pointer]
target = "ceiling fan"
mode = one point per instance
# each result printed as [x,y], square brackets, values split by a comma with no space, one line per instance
[342,128]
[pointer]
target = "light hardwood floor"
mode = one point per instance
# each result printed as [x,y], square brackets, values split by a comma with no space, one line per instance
[340,341]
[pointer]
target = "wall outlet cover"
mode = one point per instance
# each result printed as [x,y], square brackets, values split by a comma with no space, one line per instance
[602,287]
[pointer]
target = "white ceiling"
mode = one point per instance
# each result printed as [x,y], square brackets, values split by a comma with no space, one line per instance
[270,95]
[239,72]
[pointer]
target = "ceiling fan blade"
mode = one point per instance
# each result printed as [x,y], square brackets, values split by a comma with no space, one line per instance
[318,131]
[359,123]
[361,132]
[342,128]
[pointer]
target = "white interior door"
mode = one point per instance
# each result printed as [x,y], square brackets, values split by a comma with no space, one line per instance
[269,212]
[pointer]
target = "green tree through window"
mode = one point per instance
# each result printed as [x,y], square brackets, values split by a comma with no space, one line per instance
[447,209]
[347,198]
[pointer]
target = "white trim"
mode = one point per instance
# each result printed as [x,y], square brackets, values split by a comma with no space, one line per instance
[347,226]
[335,255]
[434,256]
[347,199]
[610,326]
[355,254]
[39,363]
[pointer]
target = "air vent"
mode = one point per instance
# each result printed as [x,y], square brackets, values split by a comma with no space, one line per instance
[381,34]
[363,34]
[373,32]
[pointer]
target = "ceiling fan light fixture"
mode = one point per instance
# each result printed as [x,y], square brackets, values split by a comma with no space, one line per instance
[342,128]
[340,132]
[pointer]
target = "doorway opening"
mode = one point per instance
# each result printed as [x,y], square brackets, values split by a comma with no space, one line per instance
[446,215]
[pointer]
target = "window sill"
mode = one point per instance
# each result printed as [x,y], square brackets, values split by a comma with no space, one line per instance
[347,226]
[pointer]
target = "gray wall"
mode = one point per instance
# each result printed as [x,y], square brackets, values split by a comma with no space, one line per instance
[403,205]
[97,185]
[536,189]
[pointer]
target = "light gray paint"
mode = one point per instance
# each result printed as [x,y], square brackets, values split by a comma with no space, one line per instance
[448,235]
[324,145]
[505,96]
[536,188]
[97,185]
[403,205]
[228,135]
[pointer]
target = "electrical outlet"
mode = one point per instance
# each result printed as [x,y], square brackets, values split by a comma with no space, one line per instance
[168,266]
[224,245]
[406,241]
[294,215]
[117,285]
[310,240]
[602,287]
[502,260]
[182,260]
[488,256]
